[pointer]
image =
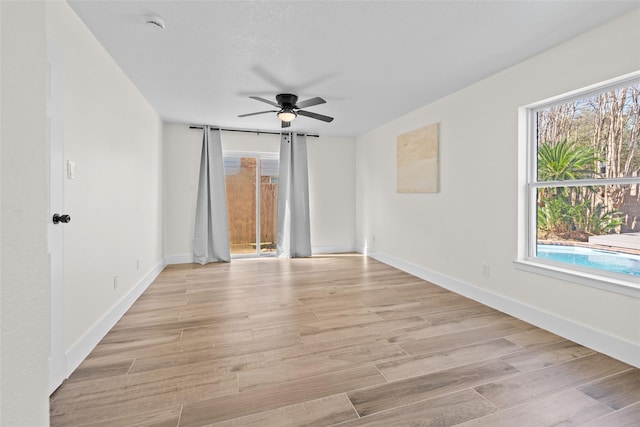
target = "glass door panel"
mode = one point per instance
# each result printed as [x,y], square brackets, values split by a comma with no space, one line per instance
[240,180]
[268,205]
[252,203]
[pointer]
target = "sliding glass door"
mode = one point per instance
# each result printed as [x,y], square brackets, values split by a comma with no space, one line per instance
[252,201]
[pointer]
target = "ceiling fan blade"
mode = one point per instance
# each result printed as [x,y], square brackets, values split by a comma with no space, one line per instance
[315,116]
[257,98]
[259,112]
[286,124]
[310,102]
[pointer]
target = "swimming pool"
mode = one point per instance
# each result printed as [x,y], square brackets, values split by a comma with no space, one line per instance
[593,258]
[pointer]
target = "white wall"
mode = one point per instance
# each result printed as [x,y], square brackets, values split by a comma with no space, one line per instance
[473,220]
[332,194]
[331,186]
[24,278]
[115,202]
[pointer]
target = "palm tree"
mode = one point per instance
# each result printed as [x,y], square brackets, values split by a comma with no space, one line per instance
[565,161]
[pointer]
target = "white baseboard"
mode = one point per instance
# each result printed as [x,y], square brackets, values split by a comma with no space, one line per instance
[179,259]
[317,250]
[600,341]
[81,349]
[364,250]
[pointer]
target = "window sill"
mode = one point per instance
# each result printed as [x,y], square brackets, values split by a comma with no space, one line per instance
[612,282]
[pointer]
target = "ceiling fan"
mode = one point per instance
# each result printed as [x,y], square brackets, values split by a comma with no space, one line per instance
[290,108]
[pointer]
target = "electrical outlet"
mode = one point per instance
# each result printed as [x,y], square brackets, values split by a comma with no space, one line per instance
[137,264]
[115,282]
[486,270]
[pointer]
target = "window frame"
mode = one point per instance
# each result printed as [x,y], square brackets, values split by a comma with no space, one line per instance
[528,177]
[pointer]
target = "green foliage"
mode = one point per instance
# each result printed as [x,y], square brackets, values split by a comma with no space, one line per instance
[565,211]
[565,161]
[597,220]
[553,217]
[558,217]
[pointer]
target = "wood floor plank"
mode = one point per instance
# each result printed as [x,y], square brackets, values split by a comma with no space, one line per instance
[570,408]
[534,338]
[217,335]
[339,320]
[321,362]
[416,288]
[442,411]
[616,391]
[419,365]
[395,311]
[386,296]
[160,418]
[222,351]
[542,357]
[321,412]
[136,342]
[381,328]
[447,301]
[330,301]
[429,330]
[148,305]
[91,371]
[383,397]
[457,339]
[440,317]
[626,417]
[336,348]
[540,383]
[154,317]
[267,398]
[164,351]
[65,412]
[283,317]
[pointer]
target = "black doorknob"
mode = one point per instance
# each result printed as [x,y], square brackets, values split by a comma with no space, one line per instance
[61,218]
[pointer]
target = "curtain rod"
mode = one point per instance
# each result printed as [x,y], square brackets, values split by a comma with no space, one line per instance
[258,132]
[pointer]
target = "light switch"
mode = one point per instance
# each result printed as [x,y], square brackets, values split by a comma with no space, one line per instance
[71,169]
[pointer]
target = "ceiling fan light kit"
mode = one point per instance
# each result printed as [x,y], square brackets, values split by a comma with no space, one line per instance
[287,115]
[290,108]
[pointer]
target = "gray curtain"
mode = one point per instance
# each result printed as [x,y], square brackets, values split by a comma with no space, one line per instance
[294,235]
[211,239]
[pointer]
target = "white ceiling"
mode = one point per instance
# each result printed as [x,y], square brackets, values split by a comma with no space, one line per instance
[372,61]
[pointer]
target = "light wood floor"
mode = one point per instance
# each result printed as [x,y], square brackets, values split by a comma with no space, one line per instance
[334,340]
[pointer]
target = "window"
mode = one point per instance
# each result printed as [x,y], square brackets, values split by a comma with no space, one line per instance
[251,181]
[583,183]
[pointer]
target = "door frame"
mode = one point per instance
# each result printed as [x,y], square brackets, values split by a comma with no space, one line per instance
[258,155]
[55,233]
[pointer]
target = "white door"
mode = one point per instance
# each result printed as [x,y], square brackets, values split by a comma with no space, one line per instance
[55,134]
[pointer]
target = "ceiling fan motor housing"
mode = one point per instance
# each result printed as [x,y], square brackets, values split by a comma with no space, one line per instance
[287,100]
